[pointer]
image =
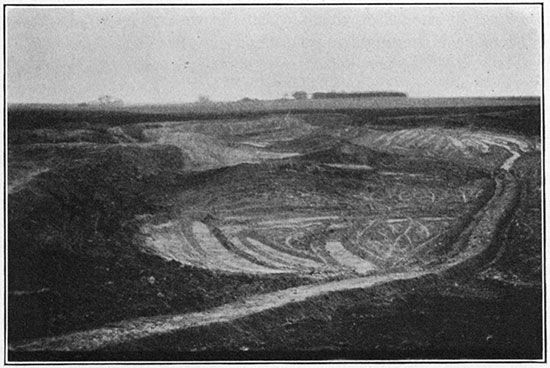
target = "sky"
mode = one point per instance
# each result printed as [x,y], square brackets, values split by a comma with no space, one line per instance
[176,54]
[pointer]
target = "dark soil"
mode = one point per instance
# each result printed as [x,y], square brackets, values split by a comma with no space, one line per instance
[521,259]
[404,320]
[85,292]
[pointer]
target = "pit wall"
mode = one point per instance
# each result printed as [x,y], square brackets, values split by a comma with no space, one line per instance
[483,244]
[456,237]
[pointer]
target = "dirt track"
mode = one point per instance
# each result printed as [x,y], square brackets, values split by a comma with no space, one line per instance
[492,215]
[143,327]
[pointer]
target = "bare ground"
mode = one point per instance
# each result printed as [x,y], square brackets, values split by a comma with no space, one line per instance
[125,331]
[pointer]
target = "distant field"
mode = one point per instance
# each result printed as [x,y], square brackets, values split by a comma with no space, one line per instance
[341,103]
[277,105]
[360,110]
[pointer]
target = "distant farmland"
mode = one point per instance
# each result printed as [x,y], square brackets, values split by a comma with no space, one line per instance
[361,109]
[297,105]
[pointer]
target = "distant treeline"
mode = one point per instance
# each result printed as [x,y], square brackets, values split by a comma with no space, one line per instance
[321,95]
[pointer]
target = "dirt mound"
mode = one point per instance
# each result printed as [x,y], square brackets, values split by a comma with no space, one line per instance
[206,152]
[347,153]
[28,160]
[131,161]
[330,121]
[428,142]
[26,136]
[307,144]
[274,127]
[481,148]
[92,200]
[120,135]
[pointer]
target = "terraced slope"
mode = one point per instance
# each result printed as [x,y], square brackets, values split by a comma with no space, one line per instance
[206,152]
[453,144]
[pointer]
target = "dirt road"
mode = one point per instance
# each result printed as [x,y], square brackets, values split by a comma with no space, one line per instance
[143,327]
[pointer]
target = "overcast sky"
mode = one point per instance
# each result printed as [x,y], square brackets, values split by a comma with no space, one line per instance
[175,54]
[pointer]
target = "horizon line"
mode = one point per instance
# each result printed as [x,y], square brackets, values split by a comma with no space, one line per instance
[255,100]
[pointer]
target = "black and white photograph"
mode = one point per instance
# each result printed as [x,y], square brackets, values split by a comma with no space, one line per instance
[318,183]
